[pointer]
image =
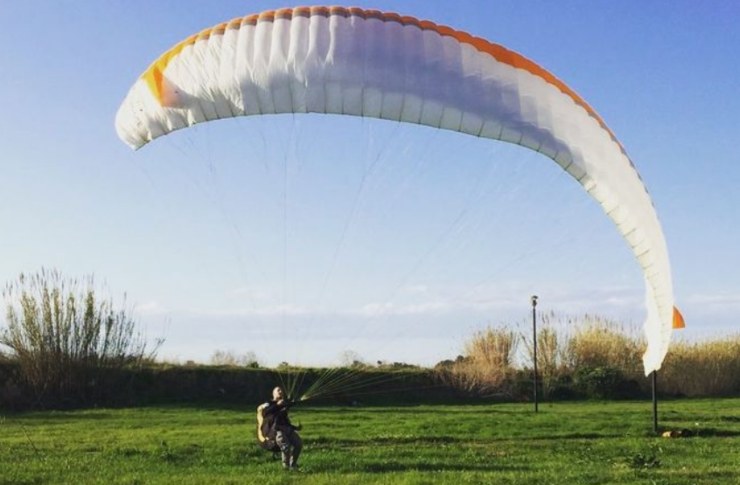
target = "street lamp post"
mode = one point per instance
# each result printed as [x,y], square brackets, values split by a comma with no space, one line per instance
[534,333]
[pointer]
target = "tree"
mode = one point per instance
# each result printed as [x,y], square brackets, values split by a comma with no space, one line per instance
[230,358]
[351,359]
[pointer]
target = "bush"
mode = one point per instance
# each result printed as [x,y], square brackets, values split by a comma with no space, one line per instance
[62,335]
[598,382]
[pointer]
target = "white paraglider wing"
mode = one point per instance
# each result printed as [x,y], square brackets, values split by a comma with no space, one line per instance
[381,65]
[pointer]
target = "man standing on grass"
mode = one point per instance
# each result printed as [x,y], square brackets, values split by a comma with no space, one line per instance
[285,433]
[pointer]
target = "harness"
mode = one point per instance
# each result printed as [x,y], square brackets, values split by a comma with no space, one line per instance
[266,430]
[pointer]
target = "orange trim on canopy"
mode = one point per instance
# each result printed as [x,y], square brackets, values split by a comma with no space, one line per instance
[154,77]
[678,321]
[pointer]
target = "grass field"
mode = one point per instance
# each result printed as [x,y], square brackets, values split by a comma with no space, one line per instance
[568,443]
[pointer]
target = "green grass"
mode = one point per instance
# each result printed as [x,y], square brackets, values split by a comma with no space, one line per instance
[566,443]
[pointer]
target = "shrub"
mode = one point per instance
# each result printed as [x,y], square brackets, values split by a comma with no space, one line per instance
[605,383]
[62,334]
[384,365]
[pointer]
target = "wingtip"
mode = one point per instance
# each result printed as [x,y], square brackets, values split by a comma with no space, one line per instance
[678,321]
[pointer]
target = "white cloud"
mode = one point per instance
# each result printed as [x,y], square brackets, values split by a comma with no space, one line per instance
[151,308]
[723,299]
[391,309]
[493,301]
[415,289]
[255,311]
[254,294]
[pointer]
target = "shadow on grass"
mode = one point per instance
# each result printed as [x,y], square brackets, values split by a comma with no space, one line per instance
[730,419]
[387,440]
[396,467]
[711,432]
[465,408]
[390,467]
[706,476]
[571,436]
[694,433]
[440,440]
[451,407]
[39,416]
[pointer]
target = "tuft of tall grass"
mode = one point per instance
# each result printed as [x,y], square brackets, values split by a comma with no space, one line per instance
[493,347]
[597,342]
[487,364]
[551,351]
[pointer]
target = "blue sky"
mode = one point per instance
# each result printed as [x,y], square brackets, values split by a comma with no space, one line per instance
[299,238]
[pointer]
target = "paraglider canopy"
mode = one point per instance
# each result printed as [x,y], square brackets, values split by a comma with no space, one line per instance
[359,62]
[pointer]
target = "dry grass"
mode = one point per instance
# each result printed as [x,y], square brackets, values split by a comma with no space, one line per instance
[569,345]
[488,362]
[551,351]
[598,342]
[710,368]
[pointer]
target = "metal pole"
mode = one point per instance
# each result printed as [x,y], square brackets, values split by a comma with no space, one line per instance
[655,401]
[534,333]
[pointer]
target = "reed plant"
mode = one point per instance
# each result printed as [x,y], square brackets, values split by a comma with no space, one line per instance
[61,333]
[551,351]
[708,368]
[488,362]
[597,342]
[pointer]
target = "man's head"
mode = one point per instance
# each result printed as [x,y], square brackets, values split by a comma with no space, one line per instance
[277,393]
